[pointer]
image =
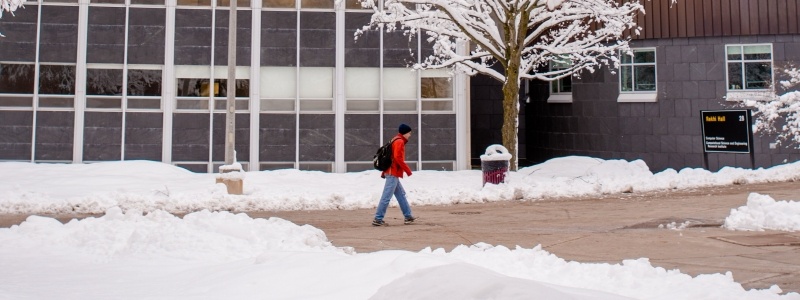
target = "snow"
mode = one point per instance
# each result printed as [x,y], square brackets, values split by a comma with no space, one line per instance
[762,212]
[138,248]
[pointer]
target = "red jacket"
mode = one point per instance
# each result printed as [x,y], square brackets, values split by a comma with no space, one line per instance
[399,165]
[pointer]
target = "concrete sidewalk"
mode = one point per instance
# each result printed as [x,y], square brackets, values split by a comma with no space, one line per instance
[606,230]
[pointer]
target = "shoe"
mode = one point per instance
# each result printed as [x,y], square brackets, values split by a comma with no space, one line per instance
[377,222]
[409,220]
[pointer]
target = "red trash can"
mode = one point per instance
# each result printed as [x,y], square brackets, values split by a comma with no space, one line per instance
[494,164]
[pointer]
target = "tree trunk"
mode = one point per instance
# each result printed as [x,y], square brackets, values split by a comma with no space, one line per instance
[511,113]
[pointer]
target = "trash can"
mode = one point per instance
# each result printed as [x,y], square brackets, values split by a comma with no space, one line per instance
[494,164]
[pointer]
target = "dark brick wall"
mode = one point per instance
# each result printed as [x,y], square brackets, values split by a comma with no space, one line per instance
[486,118]
[277,137]
[665,134]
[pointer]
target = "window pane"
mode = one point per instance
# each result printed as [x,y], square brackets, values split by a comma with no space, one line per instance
[565,84]
[104,82]
[734,52]
[16,101]
[645,78]
[316,3]
[400,105]
[149,2]
[278,3]
[362,105]
[316,82]
[645,56]
[626,59]
[361,83]
[16,79]
[626,79]
[239,3]
[437,105]
[316,105]
[144,82]
[57,80]
[56,102]
[277,105]
[353,4]
[144,103]
[757,52]
[757,75]
[278,82]
[103,103]
[399,83]
[194,2]
[242,88]
[20,41]
[436,87]
[735,76]
[192,87]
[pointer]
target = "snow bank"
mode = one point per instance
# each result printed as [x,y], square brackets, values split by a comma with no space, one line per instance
[27,188]
[764,213]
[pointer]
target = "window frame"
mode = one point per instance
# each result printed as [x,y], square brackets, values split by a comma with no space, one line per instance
[634,95]
[766,94]
[559,96]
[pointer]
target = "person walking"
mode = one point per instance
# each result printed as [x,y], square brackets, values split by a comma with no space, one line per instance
[392,175]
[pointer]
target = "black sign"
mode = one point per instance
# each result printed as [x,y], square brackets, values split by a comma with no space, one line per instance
[727,131]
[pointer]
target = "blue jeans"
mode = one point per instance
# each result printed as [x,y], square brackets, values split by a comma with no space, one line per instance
[393,186]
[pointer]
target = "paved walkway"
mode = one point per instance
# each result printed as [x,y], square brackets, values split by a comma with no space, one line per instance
[606,229]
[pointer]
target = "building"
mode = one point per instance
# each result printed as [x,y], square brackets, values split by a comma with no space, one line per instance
[110,80]
[105,80]
[692,56]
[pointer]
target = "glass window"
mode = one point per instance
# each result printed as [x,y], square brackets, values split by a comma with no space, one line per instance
[194,2]
[638,71]
[278,3]
[278,82]
[316,83]
[193,87]
[144,82]
[107,82]
[316,3]
[362,83]
[148,2]
[436,84]
[16,78]
[239,3]
[59,80]
[563,85]
[749,67]
[399,83]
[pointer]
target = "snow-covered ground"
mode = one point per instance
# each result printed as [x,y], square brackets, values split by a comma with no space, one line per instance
[139,250]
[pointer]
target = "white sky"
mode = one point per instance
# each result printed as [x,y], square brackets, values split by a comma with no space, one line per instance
[220,255]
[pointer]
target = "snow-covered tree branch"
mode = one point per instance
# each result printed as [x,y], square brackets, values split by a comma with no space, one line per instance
[780,116]
[522,36]
[10,6]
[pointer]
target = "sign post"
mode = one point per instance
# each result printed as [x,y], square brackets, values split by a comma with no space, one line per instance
[727,131]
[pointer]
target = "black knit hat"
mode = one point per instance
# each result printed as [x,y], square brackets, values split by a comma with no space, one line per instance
[404,129]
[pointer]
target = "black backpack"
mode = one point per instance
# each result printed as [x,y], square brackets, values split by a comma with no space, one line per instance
[383,158]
